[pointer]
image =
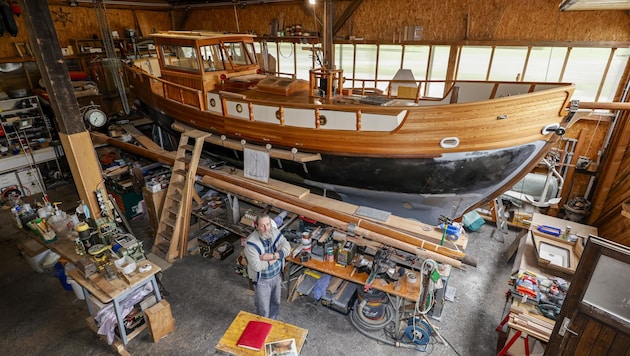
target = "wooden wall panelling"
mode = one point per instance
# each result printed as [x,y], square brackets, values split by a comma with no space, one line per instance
[152,21]
[531,21]
[612,188]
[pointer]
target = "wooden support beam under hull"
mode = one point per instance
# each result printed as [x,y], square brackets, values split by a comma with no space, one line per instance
[367,228]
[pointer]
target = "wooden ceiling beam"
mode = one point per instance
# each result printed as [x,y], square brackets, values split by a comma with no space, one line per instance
[354,5]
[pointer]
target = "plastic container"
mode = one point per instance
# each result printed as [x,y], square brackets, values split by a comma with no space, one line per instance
[61,224]
[60,273]
[50,261]
[34,254]
[76,287]
[472,221]
[126,265]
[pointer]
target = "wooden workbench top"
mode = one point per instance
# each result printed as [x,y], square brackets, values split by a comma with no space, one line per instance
[106,290]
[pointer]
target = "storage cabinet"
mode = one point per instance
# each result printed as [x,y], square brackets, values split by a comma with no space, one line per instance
[26,141]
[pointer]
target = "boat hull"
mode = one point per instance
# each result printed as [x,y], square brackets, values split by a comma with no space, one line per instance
[422,188]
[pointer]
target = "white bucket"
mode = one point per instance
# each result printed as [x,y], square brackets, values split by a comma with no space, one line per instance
[76,287]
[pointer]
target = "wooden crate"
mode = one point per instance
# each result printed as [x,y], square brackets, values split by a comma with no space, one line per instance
[160,320]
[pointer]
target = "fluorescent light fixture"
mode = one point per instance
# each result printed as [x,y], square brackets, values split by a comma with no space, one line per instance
[312,2]
[576,5]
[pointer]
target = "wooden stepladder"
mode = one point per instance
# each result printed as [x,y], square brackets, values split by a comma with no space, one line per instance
[171,238]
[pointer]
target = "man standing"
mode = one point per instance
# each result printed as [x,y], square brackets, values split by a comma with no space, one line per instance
[265,251]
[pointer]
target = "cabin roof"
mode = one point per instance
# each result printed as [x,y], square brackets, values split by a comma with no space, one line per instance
[199,35]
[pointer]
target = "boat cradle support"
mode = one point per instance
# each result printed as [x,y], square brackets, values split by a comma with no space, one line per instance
[277,153]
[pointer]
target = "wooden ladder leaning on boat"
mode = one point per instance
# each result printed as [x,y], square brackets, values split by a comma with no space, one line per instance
[171,238]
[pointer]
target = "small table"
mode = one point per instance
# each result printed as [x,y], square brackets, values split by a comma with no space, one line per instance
[279,331]
[117,290]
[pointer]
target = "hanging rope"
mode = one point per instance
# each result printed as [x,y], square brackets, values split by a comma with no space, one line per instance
[110,51]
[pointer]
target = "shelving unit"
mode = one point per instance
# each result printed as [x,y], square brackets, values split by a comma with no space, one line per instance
[26,141]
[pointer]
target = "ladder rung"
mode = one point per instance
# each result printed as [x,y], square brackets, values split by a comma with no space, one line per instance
[187,147]
[185,159]
[181,172]
[196,134]
[163,248]
[179,185]
[165,236]
[176,197]
[170,222]
[172,211]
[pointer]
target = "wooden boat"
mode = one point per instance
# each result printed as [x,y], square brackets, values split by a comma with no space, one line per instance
[413,156]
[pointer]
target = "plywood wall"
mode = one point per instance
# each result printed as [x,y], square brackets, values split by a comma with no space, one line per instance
[80,23]
[381,20]
[614,192]
[531,20]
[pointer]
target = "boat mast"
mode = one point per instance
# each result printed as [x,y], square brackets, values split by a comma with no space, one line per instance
[328,42]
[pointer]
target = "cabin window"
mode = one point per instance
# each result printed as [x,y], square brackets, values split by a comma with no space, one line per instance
[212,58]
[182,58]
[240,53]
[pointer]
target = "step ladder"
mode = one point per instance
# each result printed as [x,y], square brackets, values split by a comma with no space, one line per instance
[500,219]
[171,238]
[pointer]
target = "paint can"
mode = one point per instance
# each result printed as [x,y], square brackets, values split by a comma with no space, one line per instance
[306,242]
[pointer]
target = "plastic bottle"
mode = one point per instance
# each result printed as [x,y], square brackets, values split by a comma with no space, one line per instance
[16,215]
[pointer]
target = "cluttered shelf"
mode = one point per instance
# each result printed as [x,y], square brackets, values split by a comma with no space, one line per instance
[405,287]
[544,265]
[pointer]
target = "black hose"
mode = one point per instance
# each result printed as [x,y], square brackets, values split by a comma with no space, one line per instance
[363,326]
[371,325]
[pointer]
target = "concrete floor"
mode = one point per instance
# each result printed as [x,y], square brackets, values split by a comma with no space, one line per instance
[39,317]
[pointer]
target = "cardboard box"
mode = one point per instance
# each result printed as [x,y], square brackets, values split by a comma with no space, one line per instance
[153,187]
[160,320]
[223,250]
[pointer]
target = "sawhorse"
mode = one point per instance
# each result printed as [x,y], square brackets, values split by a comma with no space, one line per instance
[512,340]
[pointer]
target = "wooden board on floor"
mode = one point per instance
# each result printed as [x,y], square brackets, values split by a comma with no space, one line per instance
[279,331]
[160,320]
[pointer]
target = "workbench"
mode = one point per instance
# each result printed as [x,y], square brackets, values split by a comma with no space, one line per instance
[406,290]
[524,318]
[398,296]
[279,331]
[117,290]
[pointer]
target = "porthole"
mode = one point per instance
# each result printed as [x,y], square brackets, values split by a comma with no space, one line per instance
[322,120]
[239,108]
[213,102]
[278,116]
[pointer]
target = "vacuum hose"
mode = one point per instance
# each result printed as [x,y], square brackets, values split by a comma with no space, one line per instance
[365,325]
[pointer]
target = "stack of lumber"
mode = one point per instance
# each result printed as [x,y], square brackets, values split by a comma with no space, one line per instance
[523,317]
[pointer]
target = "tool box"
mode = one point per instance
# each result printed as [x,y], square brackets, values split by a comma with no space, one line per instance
[343,299]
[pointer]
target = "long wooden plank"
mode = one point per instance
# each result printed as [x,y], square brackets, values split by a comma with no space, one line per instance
[140,137]
[237,145]
[293,190]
